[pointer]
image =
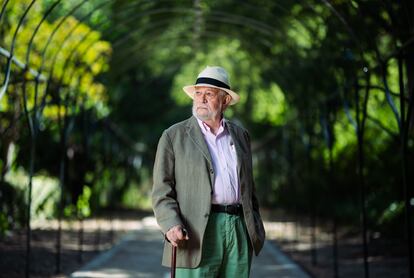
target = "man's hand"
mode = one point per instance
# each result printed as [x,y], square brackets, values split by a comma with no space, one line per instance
[177,234]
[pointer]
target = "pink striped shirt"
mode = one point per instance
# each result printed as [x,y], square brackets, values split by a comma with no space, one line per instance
[226,189]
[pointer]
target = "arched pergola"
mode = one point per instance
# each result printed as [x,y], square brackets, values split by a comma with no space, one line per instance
[59,77]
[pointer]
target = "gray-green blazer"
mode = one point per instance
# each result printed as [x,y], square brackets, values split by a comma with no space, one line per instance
[183,179]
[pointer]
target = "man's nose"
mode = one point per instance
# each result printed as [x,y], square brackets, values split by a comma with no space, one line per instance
[204,98]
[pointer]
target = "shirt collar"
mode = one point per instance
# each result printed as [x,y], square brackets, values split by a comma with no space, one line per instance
[207,130]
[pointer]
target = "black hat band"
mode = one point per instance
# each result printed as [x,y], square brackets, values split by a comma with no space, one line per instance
[211,81]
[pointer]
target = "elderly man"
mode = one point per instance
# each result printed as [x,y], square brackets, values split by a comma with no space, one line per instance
[203,193]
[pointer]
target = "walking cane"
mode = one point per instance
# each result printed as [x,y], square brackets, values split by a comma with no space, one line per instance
[173,260]
[174,255]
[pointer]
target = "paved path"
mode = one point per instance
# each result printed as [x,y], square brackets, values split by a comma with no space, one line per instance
[139,255]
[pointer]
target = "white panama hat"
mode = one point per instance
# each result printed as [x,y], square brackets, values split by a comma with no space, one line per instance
[215,77]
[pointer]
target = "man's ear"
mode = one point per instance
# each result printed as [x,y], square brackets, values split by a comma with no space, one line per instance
[226,100]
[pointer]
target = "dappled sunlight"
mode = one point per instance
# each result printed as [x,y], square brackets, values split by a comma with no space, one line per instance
[103,224]
[113,273]
[326,91]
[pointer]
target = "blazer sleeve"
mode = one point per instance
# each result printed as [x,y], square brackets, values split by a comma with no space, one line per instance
[164,202]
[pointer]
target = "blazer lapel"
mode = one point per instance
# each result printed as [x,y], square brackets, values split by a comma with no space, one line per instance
[194,132]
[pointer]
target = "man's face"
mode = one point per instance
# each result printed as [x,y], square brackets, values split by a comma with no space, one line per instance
[208,103]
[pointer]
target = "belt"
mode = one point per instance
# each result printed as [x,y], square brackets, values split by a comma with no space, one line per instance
[236,209]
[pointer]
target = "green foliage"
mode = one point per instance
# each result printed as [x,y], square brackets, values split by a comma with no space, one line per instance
[82,204]
[12,207]
[45,196]
[298,70]
[84,68]
[4,224]
[394,210]
[82,207]
[268,103]
[137,198]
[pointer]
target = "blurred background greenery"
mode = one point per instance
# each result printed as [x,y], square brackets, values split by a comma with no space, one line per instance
[82,109]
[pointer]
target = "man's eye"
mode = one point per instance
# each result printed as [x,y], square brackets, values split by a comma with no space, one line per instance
[209,95]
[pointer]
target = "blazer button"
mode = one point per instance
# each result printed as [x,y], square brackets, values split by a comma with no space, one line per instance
[211,171]
[206,215]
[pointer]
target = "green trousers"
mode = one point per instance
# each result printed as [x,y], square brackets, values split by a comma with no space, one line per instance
[227,252]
